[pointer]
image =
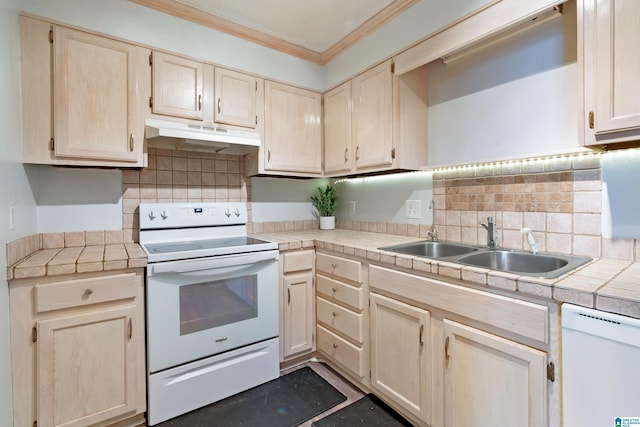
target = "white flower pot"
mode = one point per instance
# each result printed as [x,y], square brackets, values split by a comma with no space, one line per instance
[327,222]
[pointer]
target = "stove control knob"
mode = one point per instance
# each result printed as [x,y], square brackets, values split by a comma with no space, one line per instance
[237,213]
[227,213]
[164,215]
[152,216]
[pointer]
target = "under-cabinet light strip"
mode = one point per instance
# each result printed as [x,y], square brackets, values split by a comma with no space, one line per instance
[485,166]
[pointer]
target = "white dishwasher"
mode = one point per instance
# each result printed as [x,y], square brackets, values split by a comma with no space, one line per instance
[600,368]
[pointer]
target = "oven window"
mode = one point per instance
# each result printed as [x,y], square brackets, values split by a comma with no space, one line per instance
[218,303]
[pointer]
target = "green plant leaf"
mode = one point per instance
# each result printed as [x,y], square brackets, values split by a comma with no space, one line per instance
[325,200]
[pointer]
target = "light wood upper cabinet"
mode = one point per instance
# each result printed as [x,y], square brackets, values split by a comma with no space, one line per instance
[292,130]
[492,381]
[373,117]
[235,98]
[608,53]
[338,152]
[78,349]
[80,94]
[178,86]
[400,354]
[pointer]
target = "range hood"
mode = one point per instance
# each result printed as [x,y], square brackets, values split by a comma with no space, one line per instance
[186,136]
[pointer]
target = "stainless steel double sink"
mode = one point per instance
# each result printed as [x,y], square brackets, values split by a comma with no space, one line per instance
[541,265]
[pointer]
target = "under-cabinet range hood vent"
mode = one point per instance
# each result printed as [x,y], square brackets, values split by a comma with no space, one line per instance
[185,136]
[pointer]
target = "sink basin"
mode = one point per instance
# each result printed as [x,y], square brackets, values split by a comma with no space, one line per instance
[430,249]
[539,265]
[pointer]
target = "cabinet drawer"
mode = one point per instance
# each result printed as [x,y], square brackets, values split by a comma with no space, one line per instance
[81,292]
[340,267]
[341,292]
[297,261]
[342,351]
[339,318]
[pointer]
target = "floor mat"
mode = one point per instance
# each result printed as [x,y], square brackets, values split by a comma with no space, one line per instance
[368,411]
[284,402]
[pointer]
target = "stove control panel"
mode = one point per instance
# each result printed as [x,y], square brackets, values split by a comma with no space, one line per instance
[179,215]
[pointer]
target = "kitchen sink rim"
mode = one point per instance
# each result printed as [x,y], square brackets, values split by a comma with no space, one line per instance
[572,261]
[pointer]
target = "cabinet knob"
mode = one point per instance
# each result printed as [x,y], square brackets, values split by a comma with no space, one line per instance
[334,314]
[335,345]
[334,290]
[333,266]
[87,292]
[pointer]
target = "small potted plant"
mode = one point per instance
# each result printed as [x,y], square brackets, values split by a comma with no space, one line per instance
[325,204]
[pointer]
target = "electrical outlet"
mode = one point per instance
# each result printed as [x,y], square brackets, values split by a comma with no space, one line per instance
[412,208]
[12,216]
[352,207]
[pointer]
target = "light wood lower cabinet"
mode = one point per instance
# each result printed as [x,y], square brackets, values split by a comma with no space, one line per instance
[480,358]
[77,345]
[492,381]
[342,319]
[297,302]
[400,354]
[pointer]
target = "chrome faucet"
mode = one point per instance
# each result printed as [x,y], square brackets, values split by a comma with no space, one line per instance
[490,227]
[433,233]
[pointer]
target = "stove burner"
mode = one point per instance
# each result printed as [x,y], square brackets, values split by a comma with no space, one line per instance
[176,248]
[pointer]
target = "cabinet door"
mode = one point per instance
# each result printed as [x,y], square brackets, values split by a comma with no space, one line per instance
[373,117]
[337,130]
[177,86]
[299,322]
[235,98]
[94,97]
[400,354]
[86,368]
[293,136]
[617,71]
[492,381]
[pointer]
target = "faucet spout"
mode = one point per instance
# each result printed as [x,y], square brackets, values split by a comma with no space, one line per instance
[490,227]
[433,233]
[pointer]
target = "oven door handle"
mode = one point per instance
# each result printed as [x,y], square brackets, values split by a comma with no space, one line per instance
[193,265]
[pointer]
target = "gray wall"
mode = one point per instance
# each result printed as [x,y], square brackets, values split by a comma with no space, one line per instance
[14,185]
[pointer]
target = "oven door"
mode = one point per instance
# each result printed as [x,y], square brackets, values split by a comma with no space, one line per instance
[201,307]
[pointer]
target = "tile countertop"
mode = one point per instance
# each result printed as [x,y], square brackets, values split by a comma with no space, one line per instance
[79,259]
[604,284]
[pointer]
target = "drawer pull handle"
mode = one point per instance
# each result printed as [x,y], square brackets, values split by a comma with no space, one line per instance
[87,292]
[334,314]
[199,102]
[420,340]
[219,104]
[446,349]
[335,345]
[346,155]
[132,142]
